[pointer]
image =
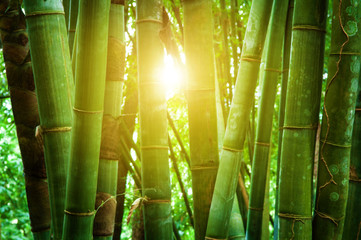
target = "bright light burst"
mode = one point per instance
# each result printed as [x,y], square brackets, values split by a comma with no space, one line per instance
[172,76]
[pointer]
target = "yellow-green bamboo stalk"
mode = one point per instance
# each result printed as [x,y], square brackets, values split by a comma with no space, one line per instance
[91,59]
[153,122]
[110,144]
[198,48]
[53,79]
[225,188]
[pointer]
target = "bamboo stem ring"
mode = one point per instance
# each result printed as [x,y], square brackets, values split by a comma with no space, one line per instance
[209,238]
[309,27]
[200,168]
[273,70]
[232,149]
[87,214]
[87,112]
[263,144]
[34,14]
[324,215]
[149,20]
[335,144]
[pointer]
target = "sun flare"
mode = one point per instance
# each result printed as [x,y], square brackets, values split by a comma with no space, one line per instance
[172,76]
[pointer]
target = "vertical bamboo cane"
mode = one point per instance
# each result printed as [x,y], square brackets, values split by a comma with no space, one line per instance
[202,113]
[90,76]
[225,188]
[301,119]
[153,122]
[110,144]
[337,122]
[53,79]
[260,164]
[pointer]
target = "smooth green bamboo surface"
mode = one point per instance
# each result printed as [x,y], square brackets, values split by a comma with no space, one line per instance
[301,119]
[66,5]
[153,122]
[202,113]
[353,214]
[91,59]
[260,163]
[236,229]
[337,122]
[225,188]
[110,144]
[282,102]
[53,79]
[72,21]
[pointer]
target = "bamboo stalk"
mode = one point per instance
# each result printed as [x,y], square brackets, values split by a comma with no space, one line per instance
[261,157]
[90,77]
[282,102]
[353,215]
[153,109]
[72,23]
[301,119]
[337,122]
[26,115]
[110,144]
[198,48]
[238,119]
[51,68]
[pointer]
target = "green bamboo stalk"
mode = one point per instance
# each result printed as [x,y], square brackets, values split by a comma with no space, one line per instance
[301,119]
[218,222]
[153,109]
[198,48]
[110,144]
[236,229]
[181,185]
[26,115]
[337,122]
[353,215]
[90,77]
[66,5]
[53,79]
[126,161]
[177,136]
[282,103]
[72,22]
[260,164]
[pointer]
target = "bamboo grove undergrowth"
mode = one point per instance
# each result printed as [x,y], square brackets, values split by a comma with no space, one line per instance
[181,119]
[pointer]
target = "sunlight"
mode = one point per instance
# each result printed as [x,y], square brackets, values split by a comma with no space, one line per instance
[171,76]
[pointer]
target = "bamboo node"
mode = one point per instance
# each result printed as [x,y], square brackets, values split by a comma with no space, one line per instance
[312,127]
[334,144]
[71,30]
[263,144]
[232,149]
[149,20]
[295,218]
[86,214]
[358,110]
[38,13]
[155,201]
[128,114]
[250,59]
[87,112]
[309,27]
[155,147]
[273,70]
[285,70]
[210,238]
[43,130]
[255,209]
[200,168]
[324,215]
[345,53]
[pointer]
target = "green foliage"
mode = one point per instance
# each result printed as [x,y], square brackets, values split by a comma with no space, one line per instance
[14,223]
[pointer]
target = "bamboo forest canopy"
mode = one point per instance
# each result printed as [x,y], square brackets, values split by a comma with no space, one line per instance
[180,119]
